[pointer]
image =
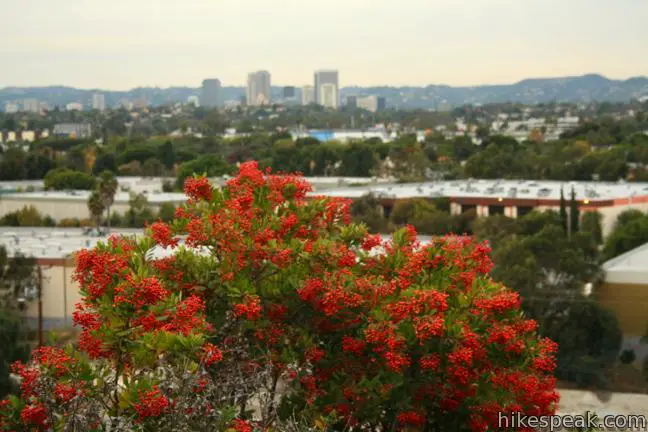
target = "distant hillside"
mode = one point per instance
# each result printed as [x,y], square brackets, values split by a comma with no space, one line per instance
[584,88]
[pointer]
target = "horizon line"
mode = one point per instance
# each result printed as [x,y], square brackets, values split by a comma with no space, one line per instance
[98,89]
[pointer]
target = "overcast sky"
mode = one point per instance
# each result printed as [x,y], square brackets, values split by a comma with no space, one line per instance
[119,44]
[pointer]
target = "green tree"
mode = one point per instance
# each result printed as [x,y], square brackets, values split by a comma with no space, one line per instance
[66,179]
[166,154]
[210,165]
[592,223]
[574,213]
[563,210]
[369,210]
[550,272]
[17,280]
[13,349]
[96,207]
[630,231]
[167,212]
[358,160]
[107,189]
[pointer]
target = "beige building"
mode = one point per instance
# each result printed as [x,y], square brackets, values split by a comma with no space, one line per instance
[625,291]
[53,249]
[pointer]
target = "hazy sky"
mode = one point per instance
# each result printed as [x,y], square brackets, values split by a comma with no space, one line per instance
[119,44]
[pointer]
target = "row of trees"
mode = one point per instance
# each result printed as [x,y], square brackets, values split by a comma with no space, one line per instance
[599,150]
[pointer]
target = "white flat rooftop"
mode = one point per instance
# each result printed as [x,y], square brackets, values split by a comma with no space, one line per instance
[631,267]
[154,184]
[506,189]
[82,195]
[56,243]
[53,243]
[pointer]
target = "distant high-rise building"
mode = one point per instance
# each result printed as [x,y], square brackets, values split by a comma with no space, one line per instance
[210,95]
[258,88]
[98,102]
[327,82]
[329,95]
[382,103]
[352,102]
[289,92]
[308,95]
[193,100]
[31,105]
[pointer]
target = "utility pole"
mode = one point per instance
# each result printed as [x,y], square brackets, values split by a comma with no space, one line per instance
[40,307]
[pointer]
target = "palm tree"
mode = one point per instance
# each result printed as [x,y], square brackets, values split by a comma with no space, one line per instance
[96,207]
[107,190]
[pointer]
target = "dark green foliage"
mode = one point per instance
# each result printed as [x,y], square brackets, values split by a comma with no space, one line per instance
[533,256]
[66,179]
[13,349]
[630,231]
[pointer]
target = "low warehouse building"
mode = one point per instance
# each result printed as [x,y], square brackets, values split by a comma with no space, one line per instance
[512,198]
[53,250]
[625,291]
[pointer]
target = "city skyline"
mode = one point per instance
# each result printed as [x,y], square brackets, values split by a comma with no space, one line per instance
[464,43]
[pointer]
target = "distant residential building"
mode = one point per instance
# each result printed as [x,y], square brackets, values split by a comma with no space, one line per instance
[193,100]
[19,136]
[352,102]
[126,104]
[327,81]
[11,108]
[74,106]
[99,102]
[210,95]
[72,130]
[31,105]
[369,103]
[382,103]
[289,92]
[140,103]
[444,106]
[258,88]
[308,95]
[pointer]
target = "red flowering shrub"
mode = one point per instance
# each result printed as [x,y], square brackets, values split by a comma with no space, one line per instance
[273,305]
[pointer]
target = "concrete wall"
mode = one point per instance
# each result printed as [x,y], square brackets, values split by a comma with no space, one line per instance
[60,294]
[57,208]
[629,302]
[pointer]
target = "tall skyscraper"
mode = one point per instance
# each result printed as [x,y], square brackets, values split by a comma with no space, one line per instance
[210,94]
[98,102]
[258,88]
[289,92]
[308,95]
[382,103]
[327,81]
[328,95]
